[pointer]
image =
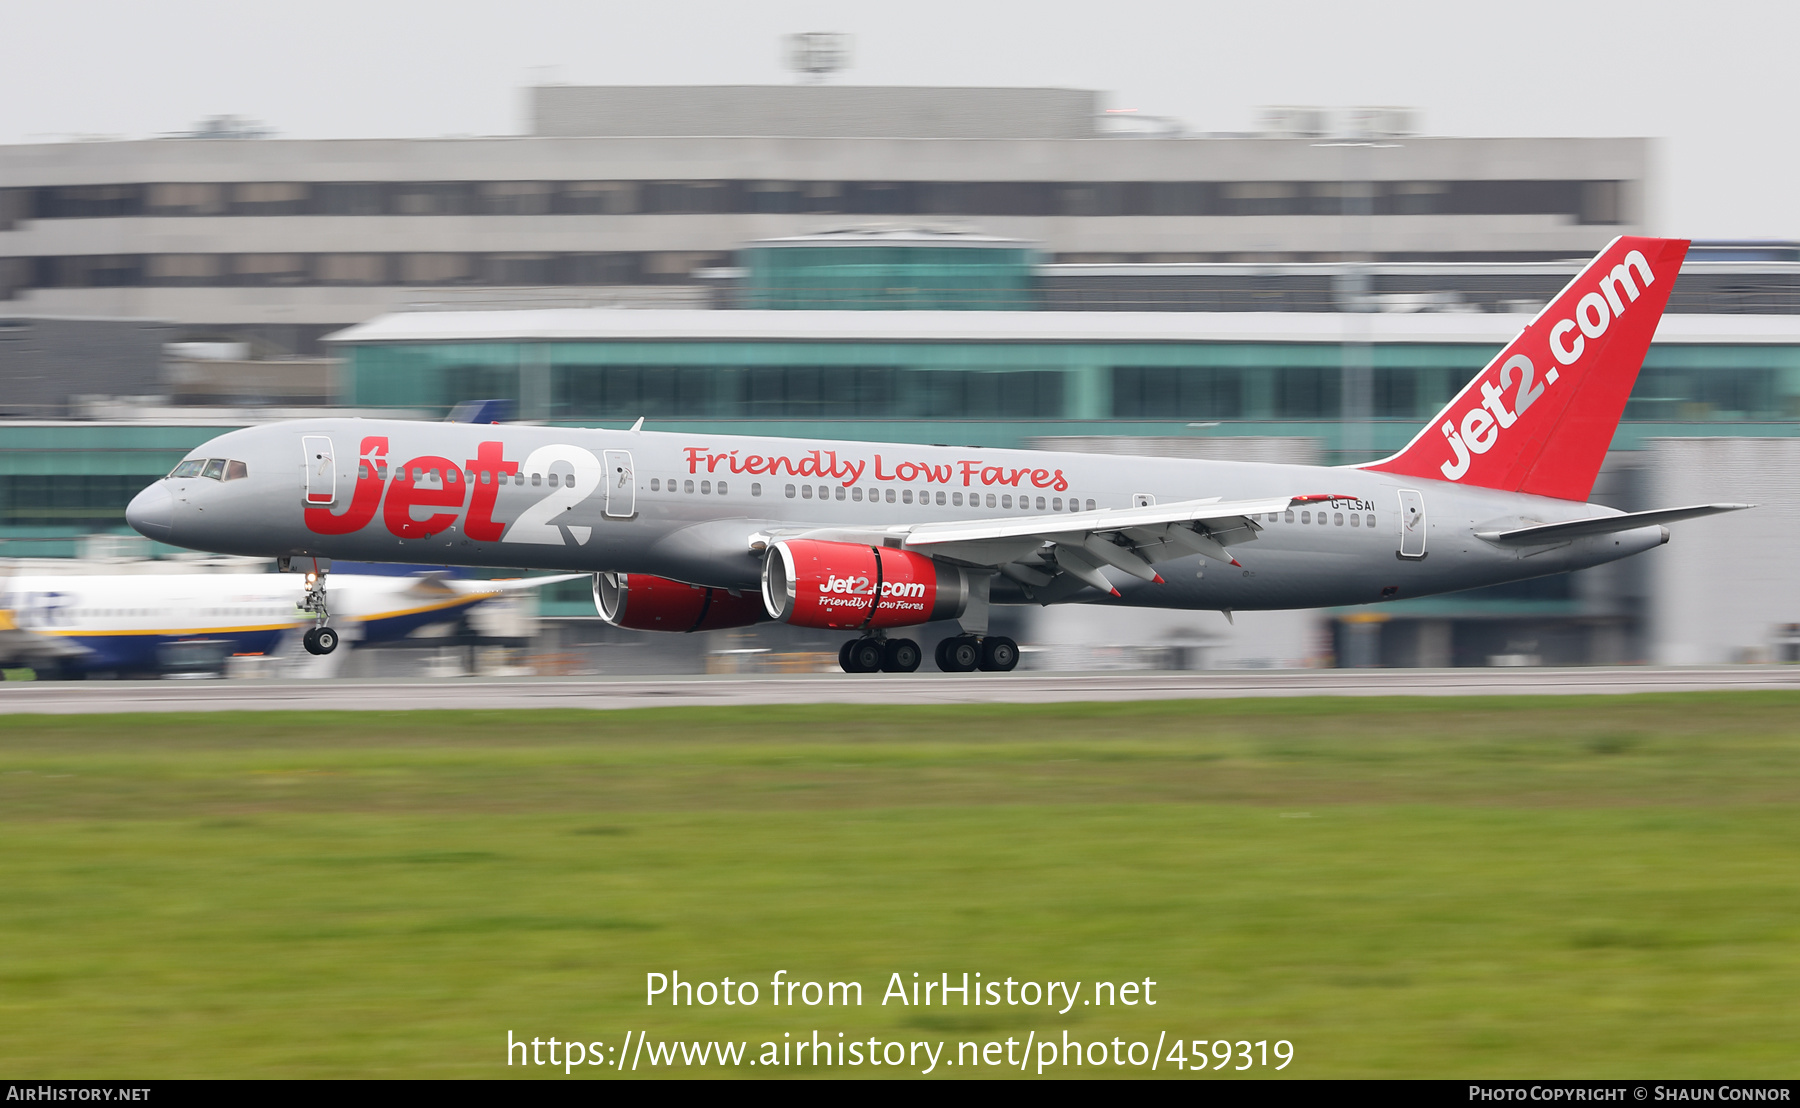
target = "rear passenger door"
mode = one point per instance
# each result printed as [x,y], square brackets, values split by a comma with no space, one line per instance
[1412,523]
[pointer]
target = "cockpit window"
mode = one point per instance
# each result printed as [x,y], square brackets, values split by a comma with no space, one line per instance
[219,469]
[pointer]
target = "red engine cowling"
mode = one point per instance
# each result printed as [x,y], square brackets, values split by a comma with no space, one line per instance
[646,603]
[852,587]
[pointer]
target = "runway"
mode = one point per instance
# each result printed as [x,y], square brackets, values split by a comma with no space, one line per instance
[69,698]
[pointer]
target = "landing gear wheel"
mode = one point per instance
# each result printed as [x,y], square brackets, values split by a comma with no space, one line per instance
[844,655]
[863,656]
[320,640]
[999,654]
[901,656]
[960,654]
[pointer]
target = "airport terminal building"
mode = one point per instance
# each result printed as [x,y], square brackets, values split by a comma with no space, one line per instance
[632,194]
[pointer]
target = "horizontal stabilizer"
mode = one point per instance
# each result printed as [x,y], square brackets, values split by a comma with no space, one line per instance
[1542,533]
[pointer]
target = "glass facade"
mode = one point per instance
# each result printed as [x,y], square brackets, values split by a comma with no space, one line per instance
[899,383]
[1586,201]
[889,277]
[61,481]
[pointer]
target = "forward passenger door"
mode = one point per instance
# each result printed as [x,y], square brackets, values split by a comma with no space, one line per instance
[321,469]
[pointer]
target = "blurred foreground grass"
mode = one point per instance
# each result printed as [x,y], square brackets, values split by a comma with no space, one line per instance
[1475,887]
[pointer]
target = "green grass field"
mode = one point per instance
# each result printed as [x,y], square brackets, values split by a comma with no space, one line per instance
[1535,887]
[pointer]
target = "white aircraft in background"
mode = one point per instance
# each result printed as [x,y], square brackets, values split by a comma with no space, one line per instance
[135,623]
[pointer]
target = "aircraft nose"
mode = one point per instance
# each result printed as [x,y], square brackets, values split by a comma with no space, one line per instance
[151,513]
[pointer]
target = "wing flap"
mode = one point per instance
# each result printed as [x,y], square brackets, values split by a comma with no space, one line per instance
[1102,520]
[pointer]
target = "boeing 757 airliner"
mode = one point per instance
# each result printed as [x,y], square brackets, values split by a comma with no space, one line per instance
[687,532]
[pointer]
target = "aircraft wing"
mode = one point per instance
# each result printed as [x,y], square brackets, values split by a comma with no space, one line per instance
[1542,533]
[1035,550]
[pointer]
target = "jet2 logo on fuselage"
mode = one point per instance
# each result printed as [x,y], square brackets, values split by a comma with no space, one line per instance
[469,492]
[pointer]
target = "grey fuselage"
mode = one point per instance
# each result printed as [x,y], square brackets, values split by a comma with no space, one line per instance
[687,506]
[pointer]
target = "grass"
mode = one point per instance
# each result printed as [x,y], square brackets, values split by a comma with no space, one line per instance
[1497,887]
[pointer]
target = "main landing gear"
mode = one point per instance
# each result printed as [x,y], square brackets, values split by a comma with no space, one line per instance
[884,655]
[990,654]
[960,654]
[318,639]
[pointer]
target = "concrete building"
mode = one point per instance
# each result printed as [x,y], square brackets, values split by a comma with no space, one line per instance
[47,364]
[1728,592]
[615,190]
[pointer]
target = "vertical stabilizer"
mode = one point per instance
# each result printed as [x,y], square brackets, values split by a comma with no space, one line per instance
[1540,417]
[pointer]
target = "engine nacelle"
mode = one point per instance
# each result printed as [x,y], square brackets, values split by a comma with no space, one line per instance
[646,603]
[852,587]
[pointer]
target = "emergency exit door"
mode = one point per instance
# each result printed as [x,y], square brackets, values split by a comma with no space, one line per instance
[621,485]
[1412,523]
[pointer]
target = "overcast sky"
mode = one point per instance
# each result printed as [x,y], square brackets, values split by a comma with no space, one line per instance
[1712,81]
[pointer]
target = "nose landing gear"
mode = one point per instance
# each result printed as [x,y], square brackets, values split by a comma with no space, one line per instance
[318,639]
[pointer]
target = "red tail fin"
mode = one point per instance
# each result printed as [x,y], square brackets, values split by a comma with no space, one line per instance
[1539,418]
